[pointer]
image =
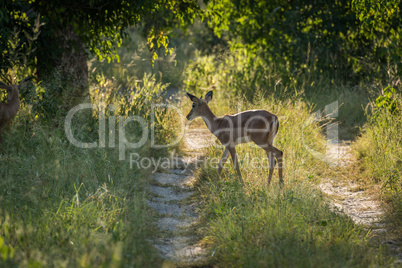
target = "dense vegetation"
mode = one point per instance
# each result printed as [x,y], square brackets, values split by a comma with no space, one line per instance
[256,226]
[66,206]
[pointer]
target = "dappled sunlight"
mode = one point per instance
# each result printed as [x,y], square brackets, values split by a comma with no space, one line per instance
[102,164]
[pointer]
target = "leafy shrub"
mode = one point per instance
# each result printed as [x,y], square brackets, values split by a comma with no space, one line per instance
[240,72]
[142,98]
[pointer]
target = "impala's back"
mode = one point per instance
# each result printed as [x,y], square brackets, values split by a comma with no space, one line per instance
[247,126]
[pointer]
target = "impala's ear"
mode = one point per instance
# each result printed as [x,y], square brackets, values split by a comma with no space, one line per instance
[192,97]
[4,86]
[25,80]
[208,97]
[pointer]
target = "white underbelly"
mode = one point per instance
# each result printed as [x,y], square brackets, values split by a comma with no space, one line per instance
[244,139]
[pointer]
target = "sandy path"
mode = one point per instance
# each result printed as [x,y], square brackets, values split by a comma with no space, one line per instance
[170,195]
[348,198]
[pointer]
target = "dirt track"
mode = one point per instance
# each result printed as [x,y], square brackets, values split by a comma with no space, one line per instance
[171,191]
[171,194]
[348,198]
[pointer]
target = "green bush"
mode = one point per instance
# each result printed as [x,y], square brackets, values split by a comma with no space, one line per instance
[136,60]
[236,73]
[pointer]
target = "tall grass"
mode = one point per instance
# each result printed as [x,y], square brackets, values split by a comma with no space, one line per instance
[379,149]
[257,225]
[65,206]
[242,73]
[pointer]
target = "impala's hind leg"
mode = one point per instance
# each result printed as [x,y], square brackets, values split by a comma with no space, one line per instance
[272,153]
[279,157]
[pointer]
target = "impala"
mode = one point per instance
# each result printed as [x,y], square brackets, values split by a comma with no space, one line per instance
[258,126]
[9,109]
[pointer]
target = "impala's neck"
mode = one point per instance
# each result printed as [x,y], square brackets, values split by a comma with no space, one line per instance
[14,99]
[209,119]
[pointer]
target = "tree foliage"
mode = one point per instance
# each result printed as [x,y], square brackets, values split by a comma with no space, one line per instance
[341,38]
[99,24]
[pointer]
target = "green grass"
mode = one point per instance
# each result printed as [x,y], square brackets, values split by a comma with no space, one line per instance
[256,226]
[352,102]
[291,228]
[64,206]
[379,151]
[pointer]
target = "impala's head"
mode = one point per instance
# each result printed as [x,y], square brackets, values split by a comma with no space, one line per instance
[10,90]
[13,89]
[199,105]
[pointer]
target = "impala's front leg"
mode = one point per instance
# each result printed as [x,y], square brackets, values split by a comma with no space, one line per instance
[223,161]
[233,153]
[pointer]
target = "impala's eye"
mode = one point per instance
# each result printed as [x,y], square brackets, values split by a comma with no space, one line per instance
[193,105]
